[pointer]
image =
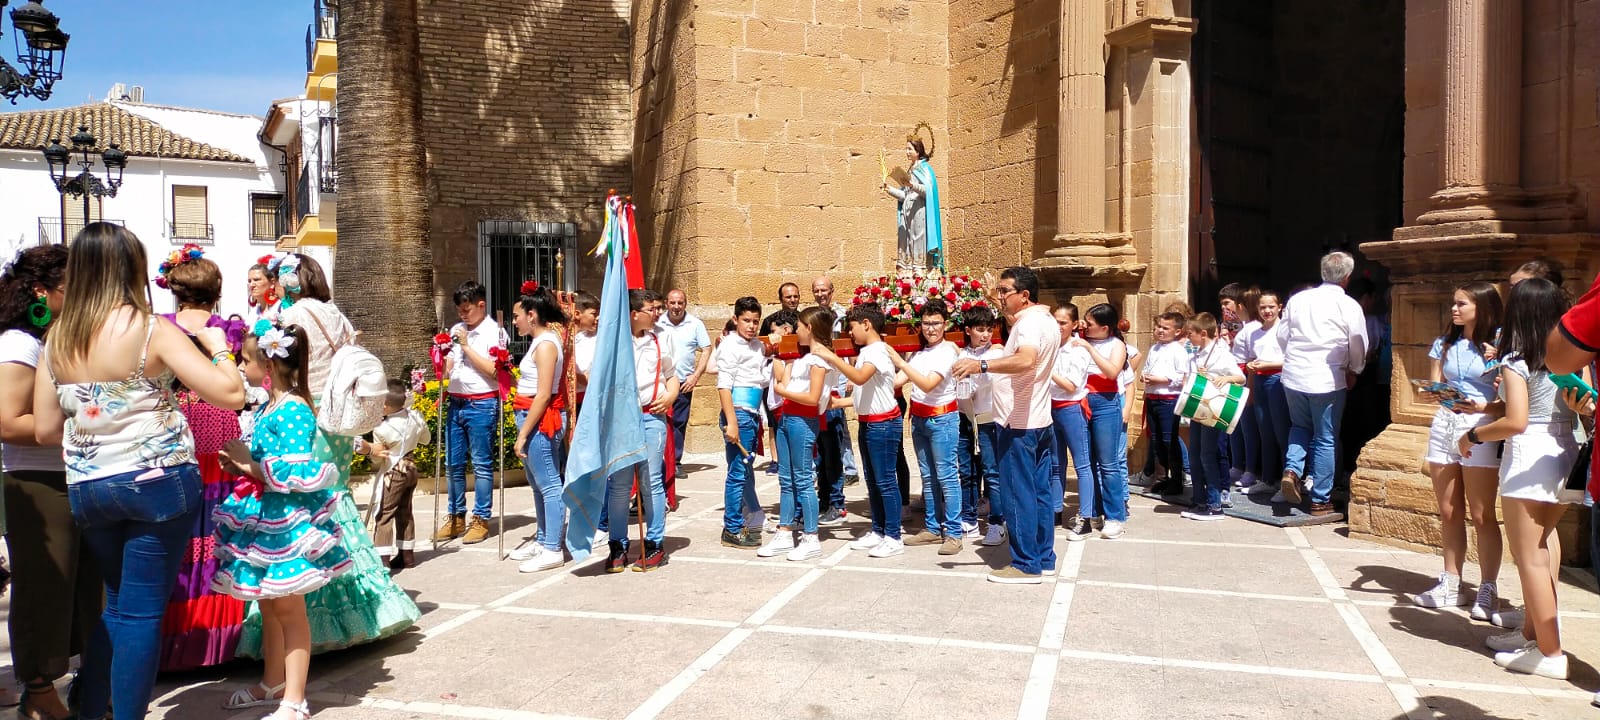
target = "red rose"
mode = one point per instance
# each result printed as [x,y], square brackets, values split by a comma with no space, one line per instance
[966,306]
[877,292]
[950,296]
[882,279]
[860,289]
[977,285]
[905,291]
[894,311]
[857,301]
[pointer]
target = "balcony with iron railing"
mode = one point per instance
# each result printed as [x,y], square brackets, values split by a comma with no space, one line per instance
[50,229]
[267,224]
[192,232]
[327,158]
[302,195]
[324,27]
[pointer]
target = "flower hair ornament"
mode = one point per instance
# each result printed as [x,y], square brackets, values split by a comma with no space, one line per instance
[275,343]
[287,269]
[529,287]
[188,253]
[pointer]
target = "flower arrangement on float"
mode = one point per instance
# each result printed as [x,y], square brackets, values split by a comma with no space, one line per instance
[902,297]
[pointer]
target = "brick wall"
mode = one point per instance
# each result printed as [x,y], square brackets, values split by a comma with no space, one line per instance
[525,115]
[1001,190]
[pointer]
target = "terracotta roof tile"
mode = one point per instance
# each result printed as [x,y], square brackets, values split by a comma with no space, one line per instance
[34,129]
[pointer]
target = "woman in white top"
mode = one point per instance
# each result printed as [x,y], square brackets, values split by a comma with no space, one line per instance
[1263,358]
[308,302]
[55,590]
[1108,443]
[935,429]
[803,387]
[106,389]
[539,406]
[1540,448]
[1070,417]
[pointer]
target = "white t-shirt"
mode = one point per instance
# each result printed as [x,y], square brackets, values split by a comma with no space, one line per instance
[1168,360]
[1243,339]
[1215,359]
[464,378]
[583,357]
[1264,345]
[938,360]
[399,433]
[21,348]
[528,383]
[800,378]
[876,395]
[740,362]
[1073,363]
[1125,378]
[1103,347]
[652,365]
[1022,400]
[982,401]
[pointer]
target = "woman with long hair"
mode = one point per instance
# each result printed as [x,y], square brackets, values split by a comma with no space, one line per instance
[1108,447]
[203,625]
[55,590]
[540,423]
[106,395]
[1466,485]
[1540,448]
[363,604]
[803,386]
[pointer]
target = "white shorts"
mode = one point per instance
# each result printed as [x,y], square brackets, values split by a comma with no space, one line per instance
[1444,440]
[1537,462]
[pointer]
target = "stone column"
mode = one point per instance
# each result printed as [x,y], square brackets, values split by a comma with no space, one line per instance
[1482,108]
[1081,154]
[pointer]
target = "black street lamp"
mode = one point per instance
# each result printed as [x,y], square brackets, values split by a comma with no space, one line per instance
[41,50]
[84,184]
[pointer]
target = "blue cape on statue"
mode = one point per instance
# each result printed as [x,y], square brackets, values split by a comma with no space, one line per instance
[922,174]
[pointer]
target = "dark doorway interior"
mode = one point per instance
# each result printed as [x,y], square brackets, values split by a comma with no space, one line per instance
[1299,124]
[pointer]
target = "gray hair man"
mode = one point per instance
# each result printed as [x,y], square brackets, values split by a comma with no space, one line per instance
[1324,340]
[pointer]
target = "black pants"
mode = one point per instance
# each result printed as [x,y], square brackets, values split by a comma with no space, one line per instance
[830,465]
[55,586]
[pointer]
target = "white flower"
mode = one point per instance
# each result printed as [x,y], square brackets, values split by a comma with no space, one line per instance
[276,344]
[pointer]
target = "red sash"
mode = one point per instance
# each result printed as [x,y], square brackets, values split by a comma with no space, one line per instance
[932,411]
[1082,403]
[1101,384]
[880,417]
[475,396]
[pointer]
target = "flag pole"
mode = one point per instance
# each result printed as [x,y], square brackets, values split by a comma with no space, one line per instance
[500,449]
[438,457]
[639,485]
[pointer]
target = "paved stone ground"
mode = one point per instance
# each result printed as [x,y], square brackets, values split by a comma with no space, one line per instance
[1177,619]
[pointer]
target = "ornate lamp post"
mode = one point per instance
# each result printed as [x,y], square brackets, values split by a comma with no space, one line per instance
[41,50]
[85,184]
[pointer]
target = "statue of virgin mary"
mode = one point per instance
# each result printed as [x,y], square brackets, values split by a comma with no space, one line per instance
[921,232]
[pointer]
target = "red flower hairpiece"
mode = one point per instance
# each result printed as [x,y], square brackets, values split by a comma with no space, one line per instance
[529,287]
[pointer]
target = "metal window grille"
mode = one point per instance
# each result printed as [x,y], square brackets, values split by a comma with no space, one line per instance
[266,220]
[511,251]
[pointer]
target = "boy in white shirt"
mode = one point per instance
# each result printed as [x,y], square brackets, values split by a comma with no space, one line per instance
[1215,360]
[975,448]
[1163,376]
[740,363]
[393,440]
[935,427]
[881,430]
[471,414]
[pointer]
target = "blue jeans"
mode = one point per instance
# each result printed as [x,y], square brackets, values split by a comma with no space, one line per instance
[1211,473]
[1025,464]
[1166,441]
[975,471]
[544,477]
[934,441]
[797,437]
[1072,436]
[680,424]
[1314,429]
[1108,448]
[1272,419]
[739,494]
[137,527]
[831,444]
[880,447]
[652,504]
[1244,443]
[469,425]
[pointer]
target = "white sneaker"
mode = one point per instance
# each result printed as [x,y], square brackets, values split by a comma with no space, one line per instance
[995,536]
[542,560]
[867,542]
[1446,594]
[1113,529]
[971,532]
[808,549]
[1510,618]
[1530,661]
[1506,642]
[890,547]
[526,550]
[1487,604]
[1227,498]
[1140,478]
[601,537]
[782,542]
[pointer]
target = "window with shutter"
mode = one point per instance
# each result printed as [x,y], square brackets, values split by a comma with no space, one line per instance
[189,219]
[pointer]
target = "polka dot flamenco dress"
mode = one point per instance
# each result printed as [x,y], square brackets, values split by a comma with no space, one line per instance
[282,539]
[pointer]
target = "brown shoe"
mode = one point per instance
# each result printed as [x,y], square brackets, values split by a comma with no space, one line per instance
[951,546]
[925,538]
[1320,509]
[452,528]
[1290,487]
[477,531]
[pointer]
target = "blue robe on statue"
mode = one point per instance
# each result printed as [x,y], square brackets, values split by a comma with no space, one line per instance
[921,232]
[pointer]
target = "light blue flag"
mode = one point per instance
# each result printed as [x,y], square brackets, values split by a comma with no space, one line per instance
[610,432]
[922,172]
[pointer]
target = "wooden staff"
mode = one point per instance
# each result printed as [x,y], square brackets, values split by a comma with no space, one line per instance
[438,457]
[500,449]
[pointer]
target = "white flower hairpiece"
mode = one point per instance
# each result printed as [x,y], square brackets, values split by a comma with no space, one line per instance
[274,343]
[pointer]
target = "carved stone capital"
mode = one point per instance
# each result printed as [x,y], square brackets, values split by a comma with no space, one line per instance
[1152,32]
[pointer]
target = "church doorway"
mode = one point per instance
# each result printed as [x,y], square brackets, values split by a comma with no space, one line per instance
[1299,122]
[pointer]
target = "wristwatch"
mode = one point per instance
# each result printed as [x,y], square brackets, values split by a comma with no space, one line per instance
[1472,437]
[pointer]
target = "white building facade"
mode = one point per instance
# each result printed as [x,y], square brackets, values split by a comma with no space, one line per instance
[193,176]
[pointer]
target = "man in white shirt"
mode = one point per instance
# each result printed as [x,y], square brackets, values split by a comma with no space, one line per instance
[691,348]
[471,414]
[741,361]
[1023,440]
[658,388]
[1324,338]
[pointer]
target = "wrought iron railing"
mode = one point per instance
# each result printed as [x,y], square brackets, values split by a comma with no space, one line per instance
[327,159]
[192,232]
[302,195]
[50,229]
[324,26]
[267,222]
